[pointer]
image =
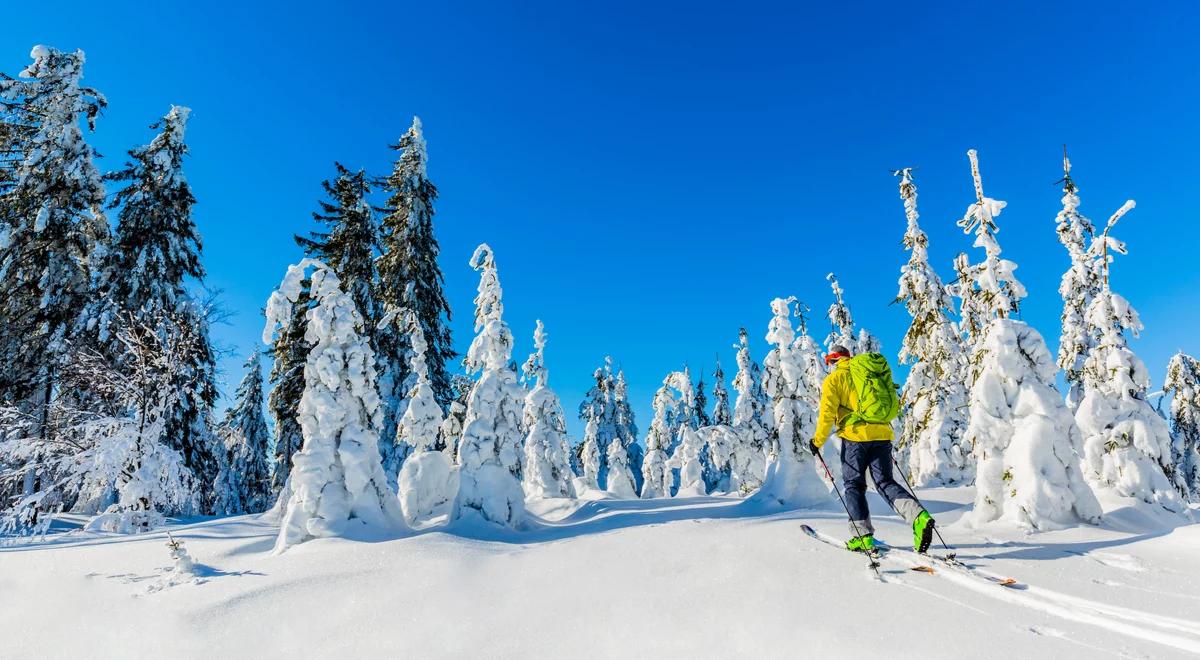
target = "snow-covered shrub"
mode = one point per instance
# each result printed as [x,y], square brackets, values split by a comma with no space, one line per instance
[115,461]
[490,449]
[338,476]
[934,397]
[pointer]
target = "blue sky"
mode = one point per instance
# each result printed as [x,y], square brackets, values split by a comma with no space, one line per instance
[651,175]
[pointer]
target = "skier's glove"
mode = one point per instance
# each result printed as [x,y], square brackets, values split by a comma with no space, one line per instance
[812,447]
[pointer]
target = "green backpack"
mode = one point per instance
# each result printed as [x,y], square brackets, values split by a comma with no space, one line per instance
[871,378]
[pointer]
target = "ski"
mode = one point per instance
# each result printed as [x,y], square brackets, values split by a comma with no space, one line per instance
[995,579]
[953,562]
[872,557]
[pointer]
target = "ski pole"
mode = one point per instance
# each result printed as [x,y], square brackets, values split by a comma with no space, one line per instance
[911,491]
[857,531]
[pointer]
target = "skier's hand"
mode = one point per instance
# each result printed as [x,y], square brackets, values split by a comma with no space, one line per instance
[812,447]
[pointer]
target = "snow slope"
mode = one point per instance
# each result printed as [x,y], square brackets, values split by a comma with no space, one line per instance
[677,578]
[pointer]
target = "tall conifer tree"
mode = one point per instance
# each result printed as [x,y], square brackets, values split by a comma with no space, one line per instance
[155,256]
[53,230]
[409,275]
[244,484]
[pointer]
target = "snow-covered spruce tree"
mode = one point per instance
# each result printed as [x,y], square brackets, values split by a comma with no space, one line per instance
[114,460]
[489,452]
[155,255]
[244,483]
[687,459]
[1183,385]
[456,414]
[337,478]
[589,458]
[1126,445]
[701,405]
[657,479]
[721,415]
[1079,286]
[791,477]
[685,408]
[54,231]
[627,430]
[290,352]
[973,310]
[807,354]
[1026,443]
[934,397]
[599,406]
[843,324]
[621,483]
[347,244]
[697,418]
[409,275]
[753,421]
[156,247]
[428,480]
[720,446]
[547,451]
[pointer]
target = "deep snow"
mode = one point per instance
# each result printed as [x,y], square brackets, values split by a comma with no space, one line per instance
[663,578]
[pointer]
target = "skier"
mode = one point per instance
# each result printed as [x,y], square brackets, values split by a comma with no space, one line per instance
[859,399]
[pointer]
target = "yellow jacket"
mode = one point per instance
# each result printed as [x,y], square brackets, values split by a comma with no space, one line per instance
[838,400]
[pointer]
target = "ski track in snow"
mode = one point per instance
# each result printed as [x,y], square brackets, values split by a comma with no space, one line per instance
[666,555]
[1170,631]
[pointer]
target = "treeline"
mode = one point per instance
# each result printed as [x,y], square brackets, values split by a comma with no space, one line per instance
[107,404]
[108,390]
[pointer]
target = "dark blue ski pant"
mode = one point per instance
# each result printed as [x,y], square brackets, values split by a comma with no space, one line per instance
[876,457]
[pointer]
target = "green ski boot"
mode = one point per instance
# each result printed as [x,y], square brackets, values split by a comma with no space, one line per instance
[922,532]
[864,543]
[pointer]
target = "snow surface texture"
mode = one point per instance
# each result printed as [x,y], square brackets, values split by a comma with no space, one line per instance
[1126,590]
[337,477]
